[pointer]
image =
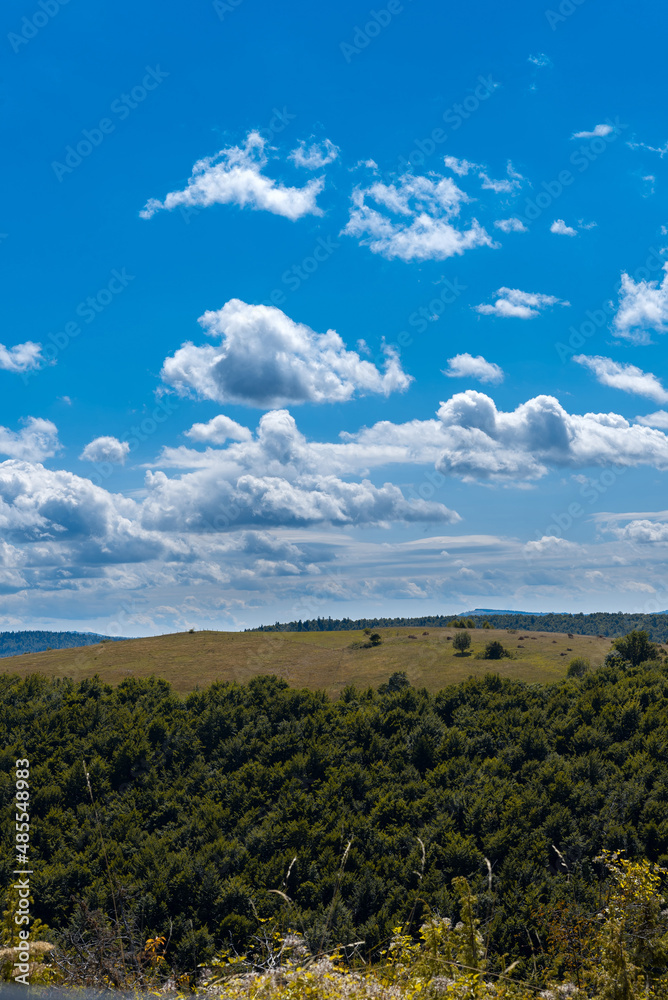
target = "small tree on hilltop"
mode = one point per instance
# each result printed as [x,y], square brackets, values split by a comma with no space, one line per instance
[461,642]
[495,651]
[578,667]
[636,648]
[397,682]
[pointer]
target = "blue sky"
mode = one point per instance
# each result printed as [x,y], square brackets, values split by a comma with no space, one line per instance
[341,310]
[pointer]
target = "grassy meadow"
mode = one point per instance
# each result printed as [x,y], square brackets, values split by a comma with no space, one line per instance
[315,660]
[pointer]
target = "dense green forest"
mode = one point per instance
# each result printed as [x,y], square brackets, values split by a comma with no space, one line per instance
[15,643]
[599,623]
[360,811]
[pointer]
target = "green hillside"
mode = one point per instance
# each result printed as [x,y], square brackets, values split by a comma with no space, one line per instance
[314,660]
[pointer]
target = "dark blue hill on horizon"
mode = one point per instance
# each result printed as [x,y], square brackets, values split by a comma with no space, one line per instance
[16,643]
[496,611]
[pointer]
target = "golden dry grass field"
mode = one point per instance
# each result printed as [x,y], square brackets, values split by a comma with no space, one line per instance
[316,660]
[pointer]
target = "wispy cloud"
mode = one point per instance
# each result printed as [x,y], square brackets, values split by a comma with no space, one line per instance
[37,440]
[460,167]
[467,366]
[540,60]
[234,176]
[658,419]
[598,132]
[21,358]
[315,156]
[649,180]
[512,225]
[628,378]
[499,187]
[414,219]
[512,302]
[504,186]
[661,150]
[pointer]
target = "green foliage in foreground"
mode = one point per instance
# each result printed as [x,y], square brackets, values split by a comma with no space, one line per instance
[623,956]
[636,648]
[344,820]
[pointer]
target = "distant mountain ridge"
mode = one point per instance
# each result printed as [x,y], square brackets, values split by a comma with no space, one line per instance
[496,611]
[16,643]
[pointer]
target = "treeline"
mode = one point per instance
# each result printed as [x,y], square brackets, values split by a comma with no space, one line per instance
[343,819]
[600,623]
[16,643]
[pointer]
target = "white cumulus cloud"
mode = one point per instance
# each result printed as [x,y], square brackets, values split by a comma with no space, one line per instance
[414,219]
[628,378]
[561,229]
[266,359]
[71,520]
[219,430]
[106,449]
[21,358]
[643,530]
[512,302]
[473,440]
[643,307]
[37,440]
[235,176]
[467,366]
[277,479]
[483,442]
[236,529]
[550,543]
[314,156]
[208,501]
